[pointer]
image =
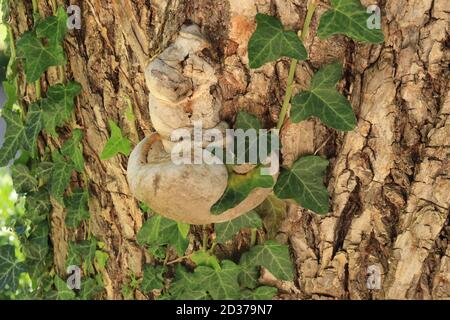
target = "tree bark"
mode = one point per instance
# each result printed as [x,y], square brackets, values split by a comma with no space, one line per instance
[388,179]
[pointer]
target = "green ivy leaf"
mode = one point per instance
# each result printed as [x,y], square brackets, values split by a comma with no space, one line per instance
[158,230]
[43,171]
[60,178]
[273,211]
[101,259]
[227,230]
[37,206]
[54,28]
[62,290]
[185,286]
[348,17]
[24,182]
[73,150]
[246,121]
[260,293]
[36,247]
[203,258]
[10,268]
[33,127]
[10,89]
[58,107]
[77,208]
[239,187]
[14,135]
[153,278]
[324,101]
[270,42]
[270,255]
[220,284]
[82,253]
[117,143]
[90,288]
[38,58]
[183,228]
[304,184]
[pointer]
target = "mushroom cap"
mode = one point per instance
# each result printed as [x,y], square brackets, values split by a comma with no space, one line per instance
[185,192]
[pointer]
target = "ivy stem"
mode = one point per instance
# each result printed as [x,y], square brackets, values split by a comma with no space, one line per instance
[205,238]
[253,236]
[35,6]
[293,66]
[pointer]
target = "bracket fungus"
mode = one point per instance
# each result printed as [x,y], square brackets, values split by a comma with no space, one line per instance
[182,81]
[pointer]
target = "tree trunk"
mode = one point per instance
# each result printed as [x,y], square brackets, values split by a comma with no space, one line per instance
[388,179]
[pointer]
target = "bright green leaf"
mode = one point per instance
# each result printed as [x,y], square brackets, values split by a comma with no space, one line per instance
[43,171]
[77,208]
[227,230]
[348,17]
[270,42]
[37,56]
[324,101]
[117,143]
[304,184]
[101,259]
[183,228]
[203,258]
[239,187]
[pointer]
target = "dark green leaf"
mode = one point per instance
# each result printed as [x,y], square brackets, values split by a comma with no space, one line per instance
[90,288]
[158,230]
[304,184]
[60,178]
[153,278]
[33,127]
[82,254]
[185,286]
[260,293]
[73,150]
[270,42]
[239,187]
[324,101]
[246,121]
[37,56]
[273,212]
[53,28]
[10,268]
[77,208]
[37,206]
[117,143]
[62,290]
[227,230]
[348,17]
[43,171]
[220,284]
[24,182]
[14,135]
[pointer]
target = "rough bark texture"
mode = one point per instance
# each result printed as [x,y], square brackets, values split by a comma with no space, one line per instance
[388,179]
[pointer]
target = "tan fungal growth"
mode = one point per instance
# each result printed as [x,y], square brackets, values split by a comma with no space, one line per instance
[183,91]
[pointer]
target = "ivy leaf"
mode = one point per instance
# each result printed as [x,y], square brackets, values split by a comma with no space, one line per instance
[239,187]
[260,293]
[183,228]
[43,171]
[14,135]
[73,151]
[90,288]
[272,211]
[53,27]
[60,178]
[37,206]
[304,184]
[33,127]
[158,230]
[24,182]
[227,230]
[58,107]
[185,286]
[348,17]
[220,284]
[153,278]
[10,268]
[117,143]
[270,42]
[203,258]
[82,253]
[77,208]
[270,255]
[10,89]
[246,121]
[36,247]
[324,101]
[37,56]
[62,290]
